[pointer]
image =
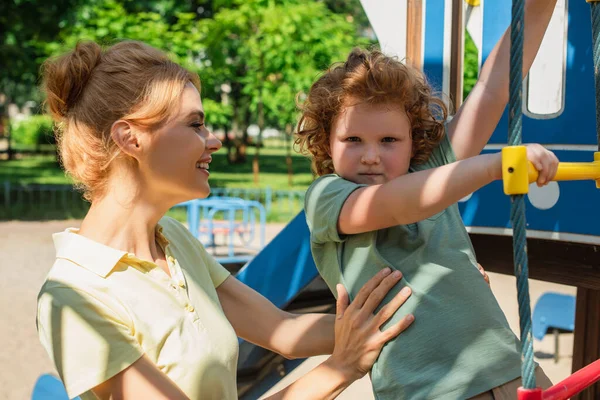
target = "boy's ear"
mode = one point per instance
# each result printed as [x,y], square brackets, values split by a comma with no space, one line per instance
[122,132]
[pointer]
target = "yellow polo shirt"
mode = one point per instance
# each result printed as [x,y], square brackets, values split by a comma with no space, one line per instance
[101,309]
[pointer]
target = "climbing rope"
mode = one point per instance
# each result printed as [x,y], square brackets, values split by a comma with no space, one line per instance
[517,214]
[595,8]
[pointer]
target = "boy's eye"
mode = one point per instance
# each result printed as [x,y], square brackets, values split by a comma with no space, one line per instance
[353,139]
[388,140]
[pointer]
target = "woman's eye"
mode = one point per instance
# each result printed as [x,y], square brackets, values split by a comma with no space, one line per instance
[197,125]
[388,140]
[353,139]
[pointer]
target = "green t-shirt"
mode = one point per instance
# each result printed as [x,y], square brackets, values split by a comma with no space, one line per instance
[460,344]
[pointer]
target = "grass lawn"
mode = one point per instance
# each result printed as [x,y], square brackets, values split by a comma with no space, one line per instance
[273,171]
[43,169]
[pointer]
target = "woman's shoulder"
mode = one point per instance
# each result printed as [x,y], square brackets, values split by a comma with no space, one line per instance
[68,284]
[174,231]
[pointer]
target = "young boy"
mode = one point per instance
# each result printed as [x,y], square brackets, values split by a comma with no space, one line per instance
[391,171]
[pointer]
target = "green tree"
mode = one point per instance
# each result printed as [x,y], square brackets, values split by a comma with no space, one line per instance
[267,52]
[471,65]
[24,26]
[177,33]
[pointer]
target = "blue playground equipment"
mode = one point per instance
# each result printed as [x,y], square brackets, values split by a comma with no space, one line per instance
[281,272]
[555,312]
[49,387]
[230,217]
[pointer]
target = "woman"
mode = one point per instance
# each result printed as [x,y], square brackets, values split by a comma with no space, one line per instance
[134,307]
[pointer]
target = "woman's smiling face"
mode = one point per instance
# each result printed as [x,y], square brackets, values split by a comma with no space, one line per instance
[179,153]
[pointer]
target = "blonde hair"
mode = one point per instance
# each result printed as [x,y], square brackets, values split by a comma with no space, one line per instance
[88,89]
[369,77]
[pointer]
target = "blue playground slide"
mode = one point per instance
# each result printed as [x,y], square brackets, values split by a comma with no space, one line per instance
[280,272]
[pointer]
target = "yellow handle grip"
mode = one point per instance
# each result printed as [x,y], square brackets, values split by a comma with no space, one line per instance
[518,172]
[570,171]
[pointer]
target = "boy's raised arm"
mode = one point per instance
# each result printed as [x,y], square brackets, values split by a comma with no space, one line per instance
[475,121]
[419,195]
[416,196]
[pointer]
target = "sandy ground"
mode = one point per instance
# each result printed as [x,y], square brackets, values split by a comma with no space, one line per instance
[28,252]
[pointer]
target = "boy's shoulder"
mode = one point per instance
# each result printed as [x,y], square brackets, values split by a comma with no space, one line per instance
[328,187]
[325,198]
[330,182]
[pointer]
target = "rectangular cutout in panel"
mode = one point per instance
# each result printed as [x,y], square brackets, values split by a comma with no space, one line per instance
[545,86]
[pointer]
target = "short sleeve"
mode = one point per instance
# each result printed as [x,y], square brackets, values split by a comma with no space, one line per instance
[217,272]
[88,341]
[443,154]
[323,203]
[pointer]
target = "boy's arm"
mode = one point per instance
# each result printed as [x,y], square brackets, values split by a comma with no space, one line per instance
[419,195]
[416,196]
[473,125]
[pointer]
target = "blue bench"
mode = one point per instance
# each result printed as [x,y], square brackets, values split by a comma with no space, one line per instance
[556,312]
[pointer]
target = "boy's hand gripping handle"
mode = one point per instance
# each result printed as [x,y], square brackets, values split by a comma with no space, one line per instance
[518,172]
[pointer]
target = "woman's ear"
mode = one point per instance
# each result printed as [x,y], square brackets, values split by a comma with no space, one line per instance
[125,137]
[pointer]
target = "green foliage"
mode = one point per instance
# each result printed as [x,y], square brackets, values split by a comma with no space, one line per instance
[108,21]
[264,51]
[33,131]
[25,25]
[470,65]
[218,115]
[268,51]
[351,9]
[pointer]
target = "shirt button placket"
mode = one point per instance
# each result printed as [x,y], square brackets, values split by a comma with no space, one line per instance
[180,283]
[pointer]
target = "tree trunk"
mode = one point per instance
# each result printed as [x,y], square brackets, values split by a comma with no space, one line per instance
[261,125]
[5,124]
[288,156]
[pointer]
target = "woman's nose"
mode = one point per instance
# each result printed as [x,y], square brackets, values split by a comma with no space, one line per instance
[212,142]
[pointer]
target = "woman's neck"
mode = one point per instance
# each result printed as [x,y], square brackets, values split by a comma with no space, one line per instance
[124,224]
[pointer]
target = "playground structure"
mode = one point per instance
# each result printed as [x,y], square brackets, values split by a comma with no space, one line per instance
[559,109]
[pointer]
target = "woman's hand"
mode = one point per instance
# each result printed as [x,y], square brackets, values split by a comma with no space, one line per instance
[358,340]
[486,277]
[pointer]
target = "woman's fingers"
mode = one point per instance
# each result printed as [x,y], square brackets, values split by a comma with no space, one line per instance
[397,328]
[390,308]
[379,294]
[358,339]
[364,292]
[342,301]
[486,277]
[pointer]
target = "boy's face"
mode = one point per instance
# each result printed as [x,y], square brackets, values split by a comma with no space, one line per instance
[371,144]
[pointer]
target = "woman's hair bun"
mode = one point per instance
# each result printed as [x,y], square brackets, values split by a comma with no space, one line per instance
[65,77]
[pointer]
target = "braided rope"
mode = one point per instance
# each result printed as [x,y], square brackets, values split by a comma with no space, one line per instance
[517,214]
[596,54]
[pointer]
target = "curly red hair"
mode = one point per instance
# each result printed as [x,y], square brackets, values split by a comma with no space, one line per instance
[369,77]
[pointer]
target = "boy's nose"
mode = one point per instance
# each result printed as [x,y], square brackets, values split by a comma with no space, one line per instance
[371,156]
